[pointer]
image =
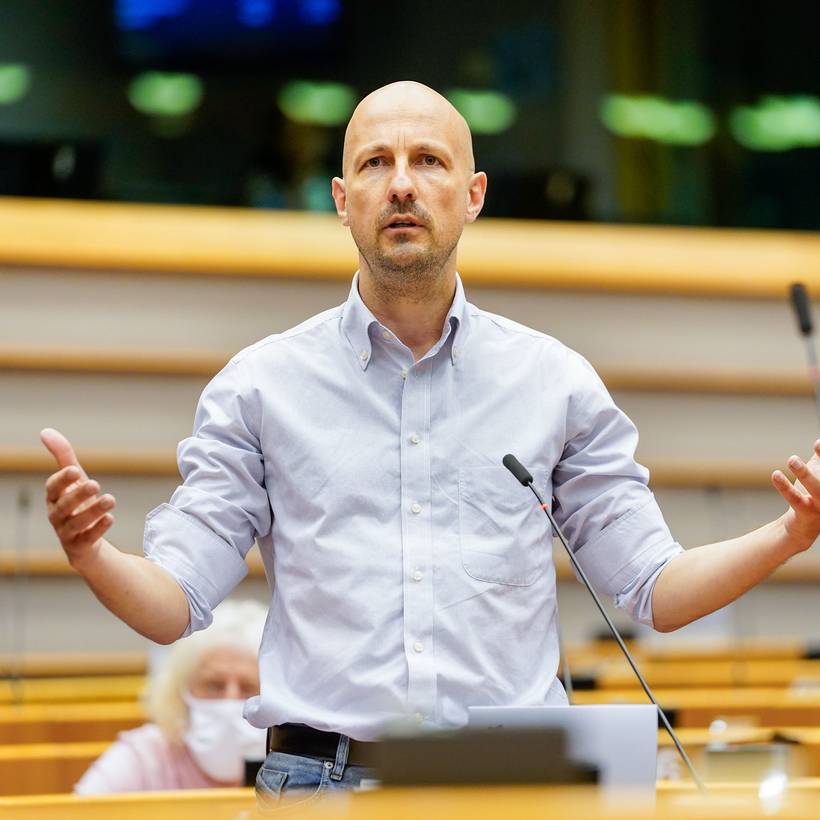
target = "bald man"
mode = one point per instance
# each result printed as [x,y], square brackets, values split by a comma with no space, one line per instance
[411,576]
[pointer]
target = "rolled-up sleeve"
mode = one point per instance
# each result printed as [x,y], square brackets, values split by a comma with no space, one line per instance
[201,537]
[604,504]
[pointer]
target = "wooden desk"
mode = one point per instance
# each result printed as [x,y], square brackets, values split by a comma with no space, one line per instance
[674,802]
[72,689]
[68,664]
[65,722]
[699,707]
[615,673]
[45,768]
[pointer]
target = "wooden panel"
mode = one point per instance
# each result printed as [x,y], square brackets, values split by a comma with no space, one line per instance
[675,801]
[700,706]
[737,473]
[66,664]
[67,722]
[72,690]
[157,464]
[745,649]
[45,768]
[195,363]
[123,361]
[234,241]
[711,673]
[52,563]
[195,804]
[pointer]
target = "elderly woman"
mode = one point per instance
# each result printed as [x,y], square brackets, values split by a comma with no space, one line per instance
[197,738]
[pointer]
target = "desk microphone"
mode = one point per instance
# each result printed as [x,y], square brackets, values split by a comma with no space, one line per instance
[802,310]
[522,474]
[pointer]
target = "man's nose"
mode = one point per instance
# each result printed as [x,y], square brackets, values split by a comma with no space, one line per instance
[402,185]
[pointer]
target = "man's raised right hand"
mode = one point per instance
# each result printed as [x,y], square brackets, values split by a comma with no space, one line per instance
[79,515]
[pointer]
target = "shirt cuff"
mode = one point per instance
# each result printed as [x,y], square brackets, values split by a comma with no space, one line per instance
[616,568]
[183,546]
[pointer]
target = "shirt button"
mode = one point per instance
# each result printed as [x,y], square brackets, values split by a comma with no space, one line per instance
[415,509]
[414,439]
[385,334]
[419,717]
[417,647]
[364,355]
[455,352]
[404,372]
[418,575]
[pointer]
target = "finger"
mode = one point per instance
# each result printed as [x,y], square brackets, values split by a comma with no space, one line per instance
[70,502]
[807,478]
[57,483]
[59,446]
[93,534]
[794,498]
[77,524]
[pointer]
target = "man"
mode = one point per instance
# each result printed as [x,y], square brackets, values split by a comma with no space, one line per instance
[411,575]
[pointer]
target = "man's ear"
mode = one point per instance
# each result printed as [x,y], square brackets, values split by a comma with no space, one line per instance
[337,190]
[476,192]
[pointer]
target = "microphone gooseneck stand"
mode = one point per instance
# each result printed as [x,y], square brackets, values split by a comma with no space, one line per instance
[802,309]
[523,476]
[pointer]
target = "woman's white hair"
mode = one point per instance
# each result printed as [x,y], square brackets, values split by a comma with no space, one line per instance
[235,624]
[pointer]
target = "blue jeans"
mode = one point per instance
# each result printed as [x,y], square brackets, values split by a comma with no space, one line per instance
[286,780]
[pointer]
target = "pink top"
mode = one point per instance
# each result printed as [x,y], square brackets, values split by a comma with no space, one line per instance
[144,760]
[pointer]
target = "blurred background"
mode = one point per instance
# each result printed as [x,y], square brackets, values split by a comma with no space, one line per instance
[652,111]
[654,188]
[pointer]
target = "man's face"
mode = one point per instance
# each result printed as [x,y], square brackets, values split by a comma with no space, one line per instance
[408,185]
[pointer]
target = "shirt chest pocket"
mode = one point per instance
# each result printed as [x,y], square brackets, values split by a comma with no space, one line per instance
[502,533]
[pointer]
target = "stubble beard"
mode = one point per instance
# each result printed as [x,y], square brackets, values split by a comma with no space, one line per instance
[415,277]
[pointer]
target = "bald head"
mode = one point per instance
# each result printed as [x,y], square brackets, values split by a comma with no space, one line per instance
[392,105]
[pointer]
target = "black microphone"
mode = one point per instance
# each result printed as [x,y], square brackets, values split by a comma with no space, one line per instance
[517,469]
[800,302]
[802,309]
[523,475]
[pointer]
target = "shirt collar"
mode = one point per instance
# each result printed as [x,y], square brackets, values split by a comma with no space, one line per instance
[357,319]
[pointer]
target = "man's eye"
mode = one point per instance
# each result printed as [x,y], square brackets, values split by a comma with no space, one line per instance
[429,159]
[374,162]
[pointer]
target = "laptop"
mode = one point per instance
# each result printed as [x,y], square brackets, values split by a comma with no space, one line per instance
[621,741]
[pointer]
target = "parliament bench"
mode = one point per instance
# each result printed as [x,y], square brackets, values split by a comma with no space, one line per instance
[67,722]
[72,690]
[674,801]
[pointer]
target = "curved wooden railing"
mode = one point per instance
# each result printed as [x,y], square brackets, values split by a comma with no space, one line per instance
[718,473]
[51,563]
[162,239]
[205,363]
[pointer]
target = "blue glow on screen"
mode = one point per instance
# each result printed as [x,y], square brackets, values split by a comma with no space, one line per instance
[143,15]
[320,12]
[256,13]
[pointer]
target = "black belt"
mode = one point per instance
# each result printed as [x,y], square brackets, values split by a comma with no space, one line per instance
[304,741]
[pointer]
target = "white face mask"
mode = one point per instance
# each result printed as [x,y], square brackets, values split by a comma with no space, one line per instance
[220,739]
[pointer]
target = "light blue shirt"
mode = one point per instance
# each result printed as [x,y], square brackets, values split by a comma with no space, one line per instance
[410,573]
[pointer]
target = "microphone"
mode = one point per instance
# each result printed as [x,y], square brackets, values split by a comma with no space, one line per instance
[802,310]
[800,302]
[523,476]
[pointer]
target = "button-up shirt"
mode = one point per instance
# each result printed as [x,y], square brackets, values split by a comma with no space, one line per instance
[411,575]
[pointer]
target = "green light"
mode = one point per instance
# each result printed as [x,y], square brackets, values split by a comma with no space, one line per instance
[681,122]
[312,103]
[15,81]
[777,123]
[486,112]
[170,95]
